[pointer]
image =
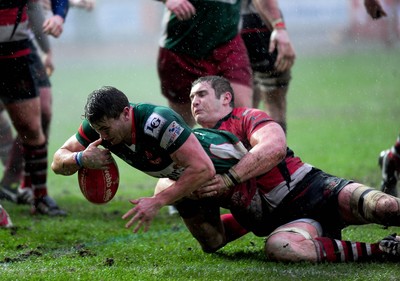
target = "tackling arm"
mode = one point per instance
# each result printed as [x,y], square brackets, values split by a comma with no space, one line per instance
[268,150]
[198,170]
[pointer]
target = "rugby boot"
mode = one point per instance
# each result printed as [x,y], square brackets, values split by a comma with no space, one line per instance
[5,220]
[16,194]
[387,162]
[390,245]
[25,195]
[46,206]
[8,193]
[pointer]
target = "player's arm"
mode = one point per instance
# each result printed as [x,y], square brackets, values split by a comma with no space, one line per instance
[268,150]
[72,156]
[198,170]
[36,20]
[183,9]
[271,14]
[54,24]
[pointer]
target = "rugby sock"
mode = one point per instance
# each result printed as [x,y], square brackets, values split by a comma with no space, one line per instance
[233,230]
[36,168]
[396,147]
[15,165]
[395,154]
[6,139]
[332,250]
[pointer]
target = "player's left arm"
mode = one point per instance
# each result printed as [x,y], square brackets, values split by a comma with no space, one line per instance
[36,20]
[198,170]
[268,150]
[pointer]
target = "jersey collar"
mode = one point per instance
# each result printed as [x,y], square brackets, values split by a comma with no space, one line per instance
[222,120]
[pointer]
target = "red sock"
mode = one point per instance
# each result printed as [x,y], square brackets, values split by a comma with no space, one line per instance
[333,250]
[233,230]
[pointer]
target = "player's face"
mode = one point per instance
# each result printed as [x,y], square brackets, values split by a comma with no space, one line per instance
[204,105]
[114,130]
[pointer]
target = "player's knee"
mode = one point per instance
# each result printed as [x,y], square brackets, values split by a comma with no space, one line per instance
[212,245]
[278,247]
[375,206]
[387,209]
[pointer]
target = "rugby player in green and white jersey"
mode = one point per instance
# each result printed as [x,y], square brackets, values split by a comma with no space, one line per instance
[152,139]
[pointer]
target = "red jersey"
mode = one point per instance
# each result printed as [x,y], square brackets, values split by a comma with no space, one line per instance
[243,122]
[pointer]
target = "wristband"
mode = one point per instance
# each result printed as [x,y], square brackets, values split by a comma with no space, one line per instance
[78,159]
[278,24]
[232,178]
[227,180]
[236,179]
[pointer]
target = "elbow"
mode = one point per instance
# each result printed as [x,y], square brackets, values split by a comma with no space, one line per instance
[54,168]
[282,153]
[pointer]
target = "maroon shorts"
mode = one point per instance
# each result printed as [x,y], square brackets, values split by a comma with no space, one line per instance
[178,71]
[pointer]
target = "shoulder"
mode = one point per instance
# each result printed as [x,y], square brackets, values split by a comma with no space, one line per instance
[247,112]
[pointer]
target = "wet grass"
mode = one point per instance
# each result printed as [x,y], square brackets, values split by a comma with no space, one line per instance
[343,109]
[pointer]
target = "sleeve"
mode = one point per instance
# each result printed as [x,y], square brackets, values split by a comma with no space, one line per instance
[168,128]
[60,7]
[253,118]
[86,134]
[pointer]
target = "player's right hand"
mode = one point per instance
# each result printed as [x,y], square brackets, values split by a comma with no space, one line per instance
[183,9]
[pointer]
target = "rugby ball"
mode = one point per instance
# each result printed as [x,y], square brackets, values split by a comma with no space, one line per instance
[99,186]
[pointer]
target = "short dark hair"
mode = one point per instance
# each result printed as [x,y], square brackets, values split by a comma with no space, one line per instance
[106,102]
[219,84]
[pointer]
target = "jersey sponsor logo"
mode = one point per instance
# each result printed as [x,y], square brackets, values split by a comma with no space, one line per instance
[154,124]
[170,135]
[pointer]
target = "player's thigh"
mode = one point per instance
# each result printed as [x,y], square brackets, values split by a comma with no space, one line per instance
[232,62]
[176,73]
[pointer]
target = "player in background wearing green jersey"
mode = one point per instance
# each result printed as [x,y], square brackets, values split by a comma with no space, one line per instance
[202,38]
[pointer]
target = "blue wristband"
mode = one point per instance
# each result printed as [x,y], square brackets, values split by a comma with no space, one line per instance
[78,159]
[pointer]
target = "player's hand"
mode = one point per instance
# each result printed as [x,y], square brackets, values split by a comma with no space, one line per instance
[286,55]
[142,214]
[53,26]
[213,188]
[47,59]
[183,9]
[374,9]
[95,157]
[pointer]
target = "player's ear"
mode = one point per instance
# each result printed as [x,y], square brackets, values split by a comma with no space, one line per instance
[227,97]
[126,112]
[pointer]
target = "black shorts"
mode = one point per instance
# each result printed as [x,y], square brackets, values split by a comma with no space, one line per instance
[314,197]
[256,35]
[39,71]
[16,80]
